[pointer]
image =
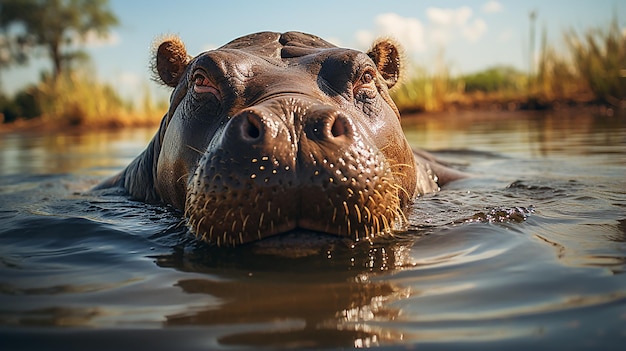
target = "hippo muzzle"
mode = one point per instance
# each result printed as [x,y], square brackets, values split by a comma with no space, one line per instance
[275,132]
[288,163]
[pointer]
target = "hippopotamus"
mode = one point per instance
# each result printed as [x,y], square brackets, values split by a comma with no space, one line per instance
[275,132]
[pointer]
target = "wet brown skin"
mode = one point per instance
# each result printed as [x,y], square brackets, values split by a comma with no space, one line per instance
[274,132]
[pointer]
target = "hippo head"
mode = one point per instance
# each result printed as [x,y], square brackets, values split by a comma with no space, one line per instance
[275,132]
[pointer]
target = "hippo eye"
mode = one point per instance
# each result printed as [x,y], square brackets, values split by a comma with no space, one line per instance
[367,77]
[365,86]
[202,84]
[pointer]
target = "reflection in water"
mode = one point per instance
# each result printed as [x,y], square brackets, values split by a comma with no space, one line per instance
[297,314]
[527,252]
[308,303]
[531,134]
[71,152]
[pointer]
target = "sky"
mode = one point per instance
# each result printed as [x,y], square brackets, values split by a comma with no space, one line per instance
[469,35]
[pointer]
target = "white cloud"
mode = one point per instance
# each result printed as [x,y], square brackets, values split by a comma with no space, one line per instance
[365,38]
[449,17]
[408,31]
[475,30]
[443,26]
[440,35]
[449,23]
[492,7]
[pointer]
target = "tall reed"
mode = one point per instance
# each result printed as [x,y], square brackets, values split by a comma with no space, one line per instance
[599,58]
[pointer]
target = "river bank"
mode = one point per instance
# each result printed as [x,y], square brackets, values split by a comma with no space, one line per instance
[477,109]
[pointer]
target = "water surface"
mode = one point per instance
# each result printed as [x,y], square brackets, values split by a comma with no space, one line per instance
[529,252]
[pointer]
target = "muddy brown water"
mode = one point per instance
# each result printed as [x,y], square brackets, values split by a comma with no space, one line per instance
[530,252]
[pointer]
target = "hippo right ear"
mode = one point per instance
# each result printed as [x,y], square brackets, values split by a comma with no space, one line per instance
[387,56]
[169,60]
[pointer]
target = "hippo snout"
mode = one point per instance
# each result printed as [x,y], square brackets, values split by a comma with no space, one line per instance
[291,164]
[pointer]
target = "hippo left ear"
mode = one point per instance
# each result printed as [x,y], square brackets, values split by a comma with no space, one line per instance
[386,55]
[170,60]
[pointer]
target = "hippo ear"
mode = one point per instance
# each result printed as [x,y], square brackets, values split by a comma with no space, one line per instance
[386,54]
[169,60]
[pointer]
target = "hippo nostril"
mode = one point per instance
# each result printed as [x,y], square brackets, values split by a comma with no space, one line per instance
[338,128]
[251,128]
[341,126]
[328,124]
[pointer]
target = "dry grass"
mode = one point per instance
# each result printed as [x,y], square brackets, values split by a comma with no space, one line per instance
[78,98]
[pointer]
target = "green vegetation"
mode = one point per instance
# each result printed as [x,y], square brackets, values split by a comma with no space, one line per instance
[499,78]
[70,95]
[53,25]
[77,98]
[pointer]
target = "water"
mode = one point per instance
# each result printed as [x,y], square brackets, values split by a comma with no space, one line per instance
[529,252]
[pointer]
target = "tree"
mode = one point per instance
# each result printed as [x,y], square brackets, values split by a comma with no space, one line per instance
[55,25]
[13,47]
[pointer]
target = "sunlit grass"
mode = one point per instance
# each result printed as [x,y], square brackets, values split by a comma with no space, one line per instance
[78,98]
[440,91]
[422,91]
